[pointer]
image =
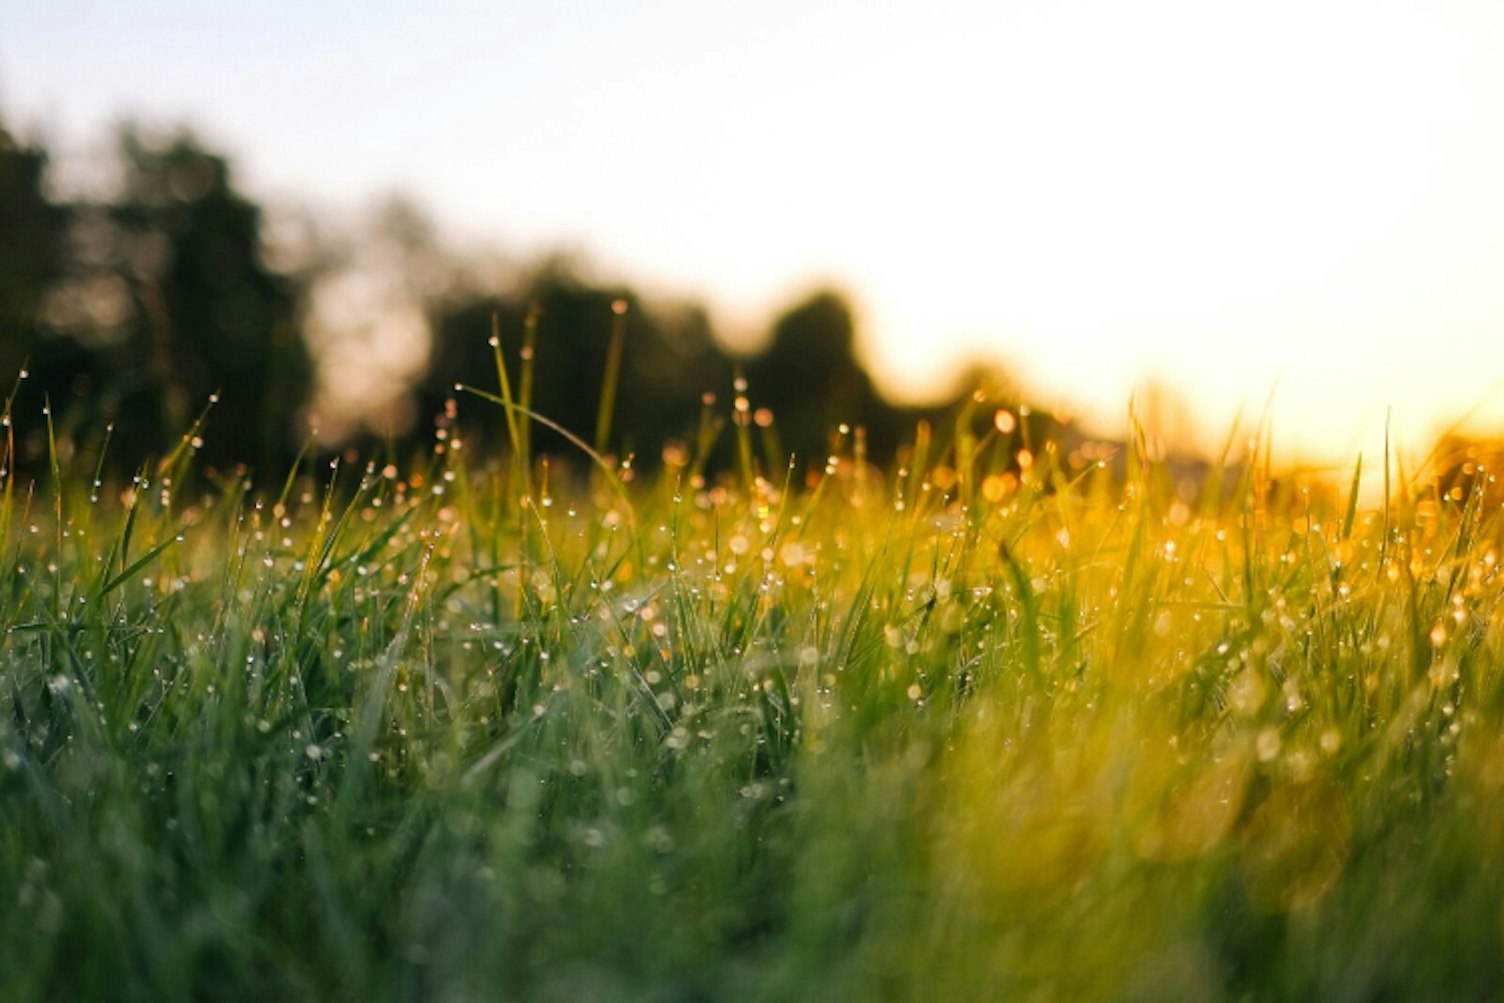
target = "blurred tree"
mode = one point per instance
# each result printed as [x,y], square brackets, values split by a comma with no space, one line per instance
[165,286]
[669,359]
[810,378]
[138,307]
[31,232]
[218,319]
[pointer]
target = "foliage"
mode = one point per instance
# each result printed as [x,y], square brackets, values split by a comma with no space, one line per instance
[962,728]
[133,305]
[165,292]
[563,326]
[30,239]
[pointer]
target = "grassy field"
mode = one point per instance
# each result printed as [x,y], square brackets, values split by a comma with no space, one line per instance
[1000,722]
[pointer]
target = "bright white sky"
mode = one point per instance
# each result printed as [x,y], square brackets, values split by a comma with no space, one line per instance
[1226,196]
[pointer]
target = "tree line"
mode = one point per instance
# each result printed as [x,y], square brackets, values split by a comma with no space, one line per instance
[135,307]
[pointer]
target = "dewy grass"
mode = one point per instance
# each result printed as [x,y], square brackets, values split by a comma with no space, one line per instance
[982,726]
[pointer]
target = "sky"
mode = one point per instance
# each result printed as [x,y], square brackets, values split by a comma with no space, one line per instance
[1291,205]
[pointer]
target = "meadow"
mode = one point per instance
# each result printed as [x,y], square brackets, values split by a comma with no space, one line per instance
[999,721]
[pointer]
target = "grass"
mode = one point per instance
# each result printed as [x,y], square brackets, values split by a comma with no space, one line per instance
[951,730]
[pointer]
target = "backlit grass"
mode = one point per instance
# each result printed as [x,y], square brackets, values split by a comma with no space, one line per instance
[965,728]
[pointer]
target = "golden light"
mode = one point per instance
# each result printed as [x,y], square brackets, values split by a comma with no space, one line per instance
[1230,200]
[1297,196]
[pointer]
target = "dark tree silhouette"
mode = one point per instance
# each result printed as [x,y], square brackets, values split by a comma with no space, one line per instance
[165,286]
[218,319]
[137,307]
[669,359]
[31,232]
[810,378]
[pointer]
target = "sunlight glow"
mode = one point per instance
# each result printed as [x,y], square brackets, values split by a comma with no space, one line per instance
[1297,197]
[1233,203]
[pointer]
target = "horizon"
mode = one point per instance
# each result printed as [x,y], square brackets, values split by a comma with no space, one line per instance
[1294,199]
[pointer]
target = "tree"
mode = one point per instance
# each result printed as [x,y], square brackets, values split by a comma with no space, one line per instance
[165,294]
[669,358]
[31,231]
[810,378]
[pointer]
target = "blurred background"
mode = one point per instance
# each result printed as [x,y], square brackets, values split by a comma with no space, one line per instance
[317,211]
